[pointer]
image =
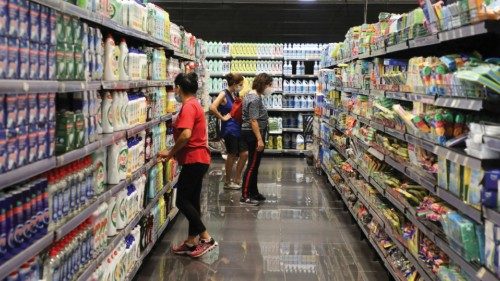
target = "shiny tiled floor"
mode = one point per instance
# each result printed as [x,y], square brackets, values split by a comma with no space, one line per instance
[300,233]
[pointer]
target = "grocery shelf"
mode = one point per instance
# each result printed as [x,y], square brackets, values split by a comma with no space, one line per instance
[462,32]
[26,172]
[293,130]
[76,154]
[241,57]
[372,242]
[291,109]
[491,215]
[284,151]
[297,94]
[75,11]
[303,59]
[460,205]
[34,249]
[8,86]
[308,76]
[183,56]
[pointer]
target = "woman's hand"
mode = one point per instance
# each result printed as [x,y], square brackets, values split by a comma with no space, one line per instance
[226,117]
[260,145]
[165,155]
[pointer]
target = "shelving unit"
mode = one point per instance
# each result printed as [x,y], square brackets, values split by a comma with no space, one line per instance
[434,44]
[33,170]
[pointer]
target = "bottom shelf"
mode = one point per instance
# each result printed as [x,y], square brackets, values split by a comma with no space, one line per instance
[150,247]
[285,151]
[373,243]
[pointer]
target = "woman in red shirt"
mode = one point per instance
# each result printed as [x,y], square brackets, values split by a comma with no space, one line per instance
[191,151]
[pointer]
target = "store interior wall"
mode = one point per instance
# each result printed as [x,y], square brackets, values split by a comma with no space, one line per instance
[278,23]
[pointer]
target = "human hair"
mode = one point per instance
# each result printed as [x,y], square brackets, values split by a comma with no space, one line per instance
[261,81]
[187,82]
[233,79]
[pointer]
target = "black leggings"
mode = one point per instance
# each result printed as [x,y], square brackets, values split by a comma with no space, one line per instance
[188,195]
[250,177]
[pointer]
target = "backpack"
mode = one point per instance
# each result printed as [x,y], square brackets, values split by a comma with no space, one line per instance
[237,108]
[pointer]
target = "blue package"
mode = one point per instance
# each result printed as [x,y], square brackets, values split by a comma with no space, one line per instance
[10,110]
[491,179]
[3,229]
[42,142]
[4,57]
[4,10]
[12,150]
[52,27]
[42,207]
[34,22]
[24,15]
[34,61]
[24,59]
[43,107]
[51,63]
[42,62]
[12,59]
[22,109]
[489,198]
[28,226]
[23,146]
[33,144]
[13,18]
[51,139]
[44,25]
[3,151]
[32,109]
[3,122]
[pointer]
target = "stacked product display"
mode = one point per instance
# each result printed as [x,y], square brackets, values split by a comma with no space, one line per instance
[86,103]
[294,89]
[411,143]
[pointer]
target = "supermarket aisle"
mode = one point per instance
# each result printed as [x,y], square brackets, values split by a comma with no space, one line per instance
[300,233]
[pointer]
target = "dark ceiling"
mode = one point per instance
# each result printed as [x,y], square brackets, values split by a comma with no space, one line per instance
[288,21]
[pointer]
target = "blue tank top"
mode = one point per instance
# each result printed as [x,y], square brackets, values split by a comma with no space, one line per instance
[230,127]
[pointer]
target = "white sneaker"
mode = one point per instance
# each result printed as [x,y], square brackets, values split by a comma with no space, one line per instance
[232,186]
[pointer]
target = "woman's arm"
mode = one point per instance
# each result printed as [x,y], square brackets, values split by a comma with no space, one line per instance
[215,105]
[182,140]
[258,136]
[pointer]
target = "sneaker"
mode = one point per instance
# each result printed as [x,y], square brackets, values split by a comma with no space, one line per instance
[203,248]
[249,201]
[259,197]
[183,249]
[232,186]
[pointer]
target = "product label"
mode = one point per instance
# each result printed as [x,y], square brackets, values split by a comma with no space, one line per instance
[32,109]
[122,160]
[3,17]
[12,59]
[34,22]
[79,64]
[13,18]
[44,25]
[22,139]
[74,196]
[42,144]
[70,61]
[52,63]
[61,65]
[19,227]
[42,62]
[33,145]
[3,56]
[99,178]
[43,107]
[12,151]
[33,61]
[24,15]
[52,27]
[22,109]
[11,110]
[24,56]
[66,201]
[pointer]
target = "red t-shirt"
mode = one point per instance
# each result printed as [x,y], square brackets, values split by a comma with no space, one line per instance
[192,117]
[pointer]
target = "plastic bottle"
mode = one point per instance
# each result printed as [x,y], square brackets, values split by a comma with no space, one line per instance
[292,87]
[300,121]
[123,61]
[111,57]
[117,162]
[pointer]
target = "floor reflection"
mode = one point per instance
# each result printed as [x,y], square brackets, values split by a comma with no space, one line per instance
[300,233]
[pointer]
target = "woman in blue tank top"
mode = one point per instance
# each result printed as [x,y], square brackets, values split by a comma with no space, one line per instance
[231,130]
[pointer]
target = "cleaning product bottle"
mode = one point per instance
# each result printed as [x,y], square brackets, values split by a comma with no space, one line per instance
[300,120]
[111,57]
[300,142]
[292,87]
[123,61]
[112,216]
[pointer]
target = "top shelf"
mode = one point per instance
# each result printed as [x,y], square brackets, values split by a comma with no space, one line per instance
[433,39]
[75,11]
[241,57]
